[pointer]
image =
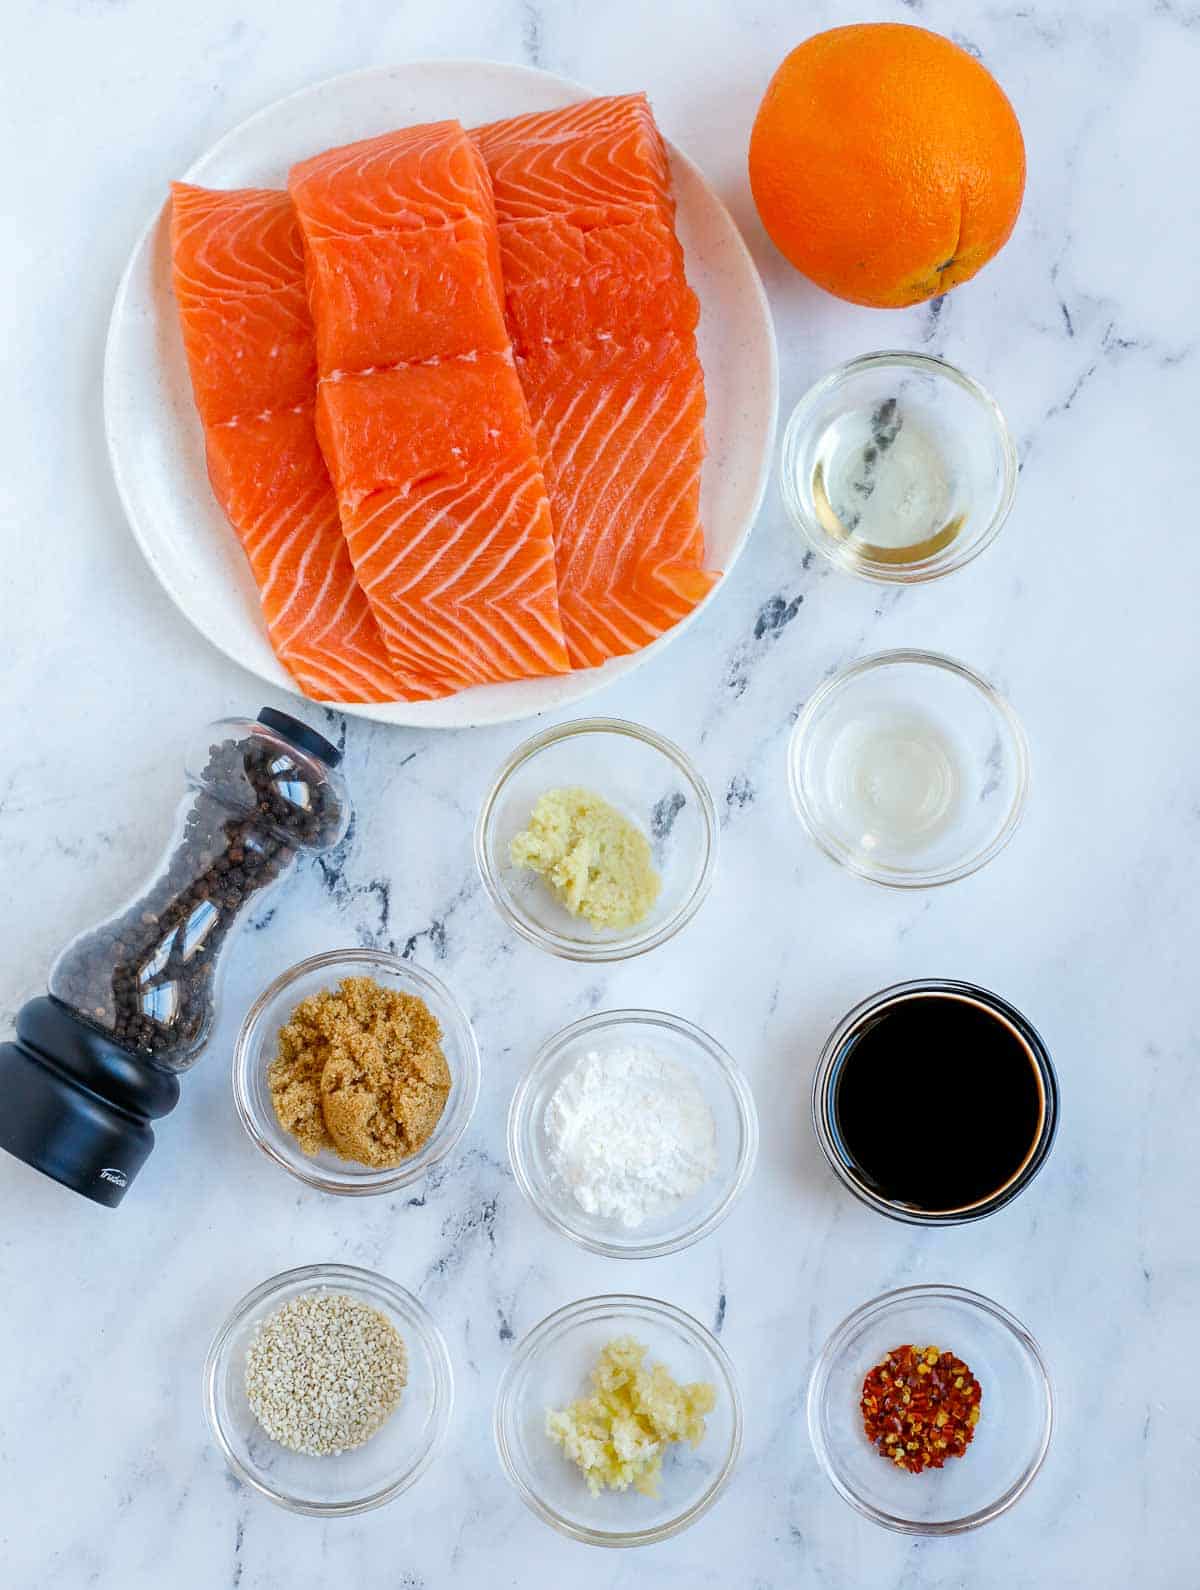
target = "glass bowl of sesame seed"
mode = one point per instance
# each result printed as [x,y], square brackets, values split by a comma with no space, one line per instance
[329,1389]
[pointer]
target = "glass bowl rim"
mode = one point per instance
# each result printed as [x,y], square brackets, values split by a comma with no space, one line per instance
[603,949]
[1000,706]
[821,1111]
[958,556]
[388,1180]
[520,1122]
[553,1325]
[377,1286]
[885,1303]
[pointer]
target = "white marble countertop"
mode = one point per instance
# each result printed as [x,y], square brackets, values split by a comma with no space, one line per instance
[1084,612]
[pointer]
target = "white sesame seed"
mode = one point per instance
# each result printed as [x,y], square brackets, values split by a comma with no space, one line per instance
[323,1372]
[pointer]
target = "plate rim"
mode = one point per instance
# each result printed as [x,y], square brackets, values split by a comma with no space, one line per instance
[371,711]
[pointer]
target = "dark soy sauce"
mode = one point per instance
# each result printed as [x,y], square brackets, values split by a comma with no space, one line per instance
[938,1102]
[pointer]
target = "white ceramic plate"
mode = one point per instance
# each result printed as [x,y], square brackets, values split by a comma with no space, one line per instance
[154,436]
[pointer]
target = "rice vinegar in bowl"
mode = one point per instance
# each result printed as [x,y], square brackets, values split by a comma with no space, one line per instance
[894,780]
[908,769]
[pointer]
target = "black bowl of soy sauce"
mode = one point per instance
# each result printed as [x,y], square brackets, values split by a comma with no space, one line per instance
[936,1102]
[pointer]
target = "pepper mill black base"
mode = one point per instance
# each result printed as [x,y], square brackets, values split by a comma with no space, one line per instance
[75,1105]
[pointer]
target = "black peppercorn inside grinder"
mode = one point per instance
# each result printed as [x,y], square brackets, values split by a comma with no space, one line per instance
[131,1002]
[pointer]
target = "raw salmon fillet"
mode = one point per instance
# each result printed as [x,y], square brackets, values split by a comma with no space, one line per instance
[620,431]
[564,283]
[599,161]
[420,411]
[603,323]
[239,282]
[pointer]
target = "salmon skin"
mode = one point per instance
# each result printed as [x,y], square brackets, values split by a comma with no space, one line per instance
[603,323]
[420,411]
[239,280]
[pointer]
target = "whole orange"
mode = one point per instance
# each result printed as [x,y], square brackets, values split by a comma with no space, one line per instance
[886,163]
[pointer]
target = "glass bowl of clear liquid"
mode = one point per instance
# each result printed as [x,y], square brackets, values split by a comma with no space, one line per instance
[898,467]
[909,769]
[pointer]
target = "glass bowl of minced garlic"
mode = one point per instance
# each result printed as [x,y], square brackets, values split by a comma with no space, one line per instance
[356,1071]
[619,1420]
[597,840]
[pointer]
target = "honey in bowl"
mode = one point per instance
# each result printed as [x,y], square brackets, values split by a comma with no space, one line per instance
[938,1103]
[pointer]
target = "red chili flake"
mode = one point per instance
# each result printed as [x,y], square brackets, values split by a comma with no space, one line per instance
[920,1406]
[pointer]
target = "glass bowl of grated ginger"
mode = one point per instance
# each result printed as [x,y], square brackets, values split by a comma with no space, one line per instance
[431,1119]
[597,840]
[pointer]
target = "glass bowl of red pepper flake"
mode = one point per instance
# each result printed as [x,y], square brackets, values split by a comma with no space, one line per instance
[920,1406]
[930,1409]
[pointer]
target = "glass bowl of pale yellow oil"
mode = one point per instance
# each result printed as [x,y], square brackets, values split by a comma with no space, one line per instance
[898,467]
[909,769]
[597,840]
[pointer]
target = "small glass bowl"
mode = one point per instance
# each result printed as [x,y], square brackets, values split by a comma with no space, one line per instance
[351,1482]
[1017,1411]
[647,778]
[898,467]
[551,1367]
[719,1079]
[825,1085]
[255,1049]
[909,769]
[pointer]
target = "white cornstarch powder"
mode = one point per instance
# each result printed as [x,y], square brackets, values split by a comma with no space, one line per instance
[631,1134]
[323,1372]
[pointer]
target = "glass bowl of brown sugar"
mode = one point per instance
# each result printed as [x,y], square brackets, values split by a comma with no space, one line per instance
[309,1152]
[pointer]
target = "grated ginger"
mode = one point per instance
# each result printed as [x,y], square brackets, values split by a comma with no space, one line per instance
[596,861]
[618,1435]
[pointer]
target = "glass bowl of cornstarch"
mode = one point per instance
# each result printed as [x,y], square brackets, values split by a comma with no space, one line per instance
[633,1133]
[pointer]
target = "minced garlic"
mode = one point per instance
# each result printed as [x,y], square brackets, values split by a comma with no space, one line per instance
[618,1435]
[597,862]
